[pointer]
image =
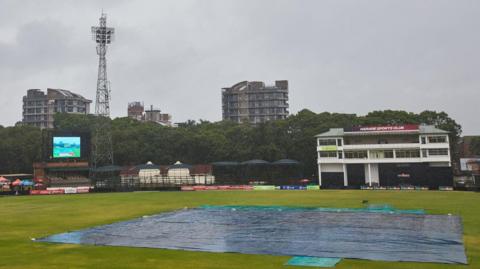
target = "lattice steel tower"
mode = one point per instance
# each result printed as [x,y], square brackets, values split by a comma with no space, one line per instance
[102,141]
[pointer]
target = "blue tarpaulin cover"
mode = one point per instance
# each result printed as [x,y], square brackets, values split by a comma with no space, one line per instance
[384,235]
[313,261]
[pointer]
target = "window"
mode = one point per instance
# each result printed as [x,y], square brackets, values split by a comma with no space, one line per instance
[328,154]
[423,140]
[437,139]
[356,154]
[424,153]
[407,153]
[340,155]
[327,142]
[339,142]
[437,152]
[381,154]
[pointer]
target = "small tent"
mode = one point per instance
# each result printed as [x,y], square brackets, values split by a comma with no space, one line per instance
[17,182]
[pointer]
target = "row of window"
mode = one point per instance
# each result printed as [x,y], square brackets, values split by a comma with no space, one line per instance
[384,154]
[258,104]
[381,154]
[329,142]
[56,109]
[258,96]
[268,96]
[271,111]
[35,110]
[430,139]
[37,103]
[35,117]
[407,153]
[329,154]
[434,139]
[253,119]
[437,152]
[58,102]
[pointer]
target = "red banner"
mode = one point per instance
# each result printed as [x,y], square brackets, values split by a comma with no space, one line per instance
[187,188]
[60,190]
[220,188]
[46,192]
[388,128]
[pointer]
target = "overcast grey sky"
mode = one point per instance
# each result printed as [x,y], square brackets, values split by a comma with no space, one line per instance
[339,56]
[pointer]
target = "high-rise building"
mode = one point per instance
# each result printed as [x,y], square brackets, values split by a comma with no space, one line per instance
[255,102]
[39,108]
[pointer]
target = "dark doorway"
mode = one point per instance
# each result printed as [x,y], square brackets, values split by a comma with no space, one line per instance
[356,175]
[332,180]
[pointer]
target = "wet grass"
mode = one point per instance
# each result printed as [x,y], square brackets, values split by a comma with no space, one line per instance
[23,218]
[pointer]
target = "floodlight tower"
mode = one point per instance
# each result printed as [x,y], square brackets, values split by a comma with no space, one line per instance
[102,143]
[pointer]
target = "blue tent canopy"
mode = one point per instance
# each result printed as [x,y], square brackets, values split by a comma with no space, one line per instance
[27,183]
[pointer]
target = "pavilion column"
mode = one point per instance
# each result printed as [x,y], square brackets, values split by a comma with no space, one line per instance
[319,175]
[369,174]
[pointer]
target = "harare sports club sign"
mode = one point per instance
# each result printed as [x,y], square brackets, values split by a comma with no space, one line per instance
[389,128]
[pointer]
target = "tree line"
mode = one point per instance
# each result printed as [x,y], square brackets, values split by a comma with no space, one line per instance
[203,142]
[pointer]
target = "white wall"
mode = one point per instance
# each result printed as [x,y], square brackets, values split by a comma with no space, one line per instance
[331,167]
[178,172]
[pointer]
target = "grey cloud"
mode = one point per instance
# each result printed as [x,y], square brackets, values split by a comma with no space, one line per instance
[339,56]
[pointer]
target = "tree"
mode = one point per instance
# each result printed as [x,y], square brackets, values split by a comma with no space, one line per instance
[20,146]
[475,145]
[136,142]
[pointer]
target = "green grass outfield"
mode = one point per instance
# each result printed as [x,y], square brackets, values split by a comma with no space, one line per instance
[22,218]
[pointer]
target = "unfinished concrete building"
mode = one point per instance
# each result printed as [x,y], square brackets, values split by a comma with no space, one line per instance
[155,115]
[135,110]
[255,102]
[39,108]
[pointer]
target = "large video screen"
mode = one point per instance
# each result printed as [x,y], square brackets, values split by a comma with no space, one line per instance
[66,147]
